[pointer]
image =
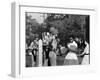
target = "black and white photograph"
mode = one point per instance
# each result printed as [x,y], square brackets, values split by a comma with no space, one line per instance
[55,39]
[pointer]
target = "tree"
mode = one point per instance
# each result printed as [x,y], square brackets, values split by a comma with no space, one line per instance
[32,29]
[67,25]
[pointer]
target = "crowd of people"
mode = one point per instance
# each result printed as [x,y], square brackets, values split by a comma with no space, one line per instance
[75,48]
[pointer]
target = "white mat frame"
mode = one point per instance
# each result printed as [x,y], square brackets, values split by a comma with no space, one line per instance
[18,68]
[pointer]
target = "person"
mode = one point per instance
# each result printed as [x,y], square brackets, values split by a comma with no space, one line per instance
[77,41]
[29,59]
[34,49]
[52,53]
[46,52]
[63,50]
[85,60]
[46,48]
[53,58]
[54,44]
[71,57]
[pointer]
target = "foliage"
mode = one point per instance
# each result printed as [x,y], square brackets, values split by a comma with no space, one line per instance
[65,25]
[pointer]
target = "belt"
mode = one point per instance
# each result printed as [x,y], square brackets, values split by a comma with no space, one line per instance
[86,54]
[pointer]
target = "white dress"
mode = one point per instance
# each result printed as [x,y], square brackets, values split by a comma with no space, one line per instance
[71,57]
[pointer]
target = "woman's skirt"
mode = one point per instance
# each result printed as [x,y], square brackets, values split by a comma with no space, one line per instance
[71,62]
[71,59]
[85,60]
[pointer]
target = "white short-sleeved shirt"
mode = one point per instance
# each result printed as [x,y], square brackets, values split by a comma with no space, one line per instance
[72,44]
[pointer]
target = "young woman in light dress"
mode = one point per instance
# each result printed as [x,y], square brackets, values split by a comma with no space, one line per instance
[71,57]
